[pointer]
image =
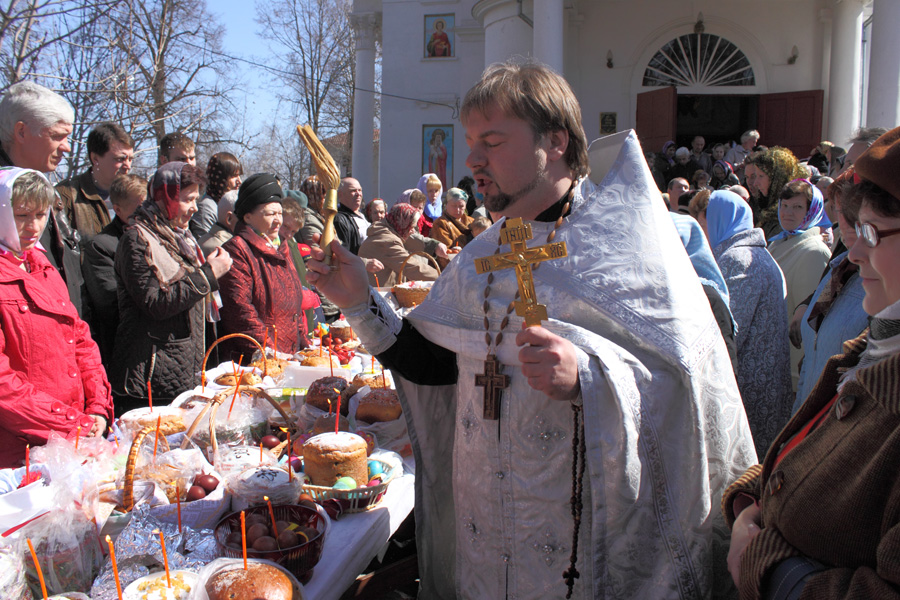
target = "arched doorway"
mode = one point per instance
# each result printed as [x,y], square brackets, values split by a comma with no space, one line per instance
[706,85]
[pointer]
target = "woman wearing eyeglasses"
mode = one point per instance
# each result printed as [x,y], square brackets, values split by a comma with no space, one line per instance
[820,518]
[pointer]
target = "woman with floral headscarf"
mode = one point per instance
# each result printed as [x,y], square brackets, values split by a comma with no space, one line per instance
[756,293]
[723,175]
[165,292]
[51,378]
[223,174]
[799,249]
[766,172]
[385,242]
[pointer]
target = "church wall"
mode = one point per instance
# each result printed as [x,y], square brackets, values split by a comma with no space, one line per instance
[442,80]
[765,30]
[634,31]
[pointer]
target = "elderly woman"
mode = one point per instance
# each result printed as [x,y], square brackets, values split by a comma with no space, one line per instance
[223,174]
[799,250]
[385,242]
[51,378]
[165,289]
[452,229]
[375,210]
[818,518]
[430,185]
[262,290]
[756,296]
[766,173]
[722,175]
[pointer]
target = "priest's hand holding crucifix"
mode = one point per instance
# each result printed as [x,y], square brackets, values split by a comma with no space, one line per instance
[345,282]
[549,363]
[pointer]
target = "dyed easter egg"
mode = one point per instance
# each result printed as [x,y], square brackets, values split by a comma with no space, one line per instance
[375,468]
[344,483]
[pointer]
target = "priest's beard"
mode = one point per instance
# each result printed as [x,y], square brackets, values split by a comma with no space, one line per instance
[500,201]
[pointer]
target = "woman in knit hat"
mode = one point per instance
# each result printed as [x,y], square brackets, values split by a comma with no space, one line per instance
[262,292]
[165,293]
[818,518]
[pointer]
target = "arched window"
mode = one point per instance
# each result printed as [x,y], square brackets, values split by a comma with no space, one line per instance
[699,59]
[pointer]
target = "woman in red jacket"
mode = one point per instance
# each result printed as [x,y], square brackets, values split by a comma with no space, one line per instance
[262,291]
[51,378]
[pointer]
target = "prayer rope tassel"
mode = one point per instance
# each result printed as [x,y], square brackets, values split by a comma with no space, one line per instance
[579,448]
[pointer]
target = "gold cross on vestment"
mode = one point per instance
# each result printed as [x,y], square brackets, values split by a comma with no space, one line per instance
[522,258]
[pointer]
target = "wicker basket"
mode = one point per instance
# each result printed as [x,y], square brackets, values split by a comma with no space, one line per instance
[131,464]
[357,500]
[409,297]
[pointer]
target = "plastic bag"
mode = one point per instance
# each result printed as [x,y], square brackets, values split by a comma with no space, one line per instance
[392,435]
[12,570]
[228,564]
[67,543]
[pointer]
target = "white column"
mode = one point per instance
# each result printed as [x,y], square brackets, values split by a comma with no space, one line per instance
[362,164]
[846,54]
[506,33]
[883,107]
[548,33]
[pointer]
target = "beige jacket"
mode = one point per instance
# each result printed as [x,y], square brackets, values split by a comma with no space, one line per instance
[384,244]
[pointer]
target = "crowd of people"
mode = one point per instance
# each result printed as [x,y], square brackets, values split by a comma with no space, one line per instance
[622,421]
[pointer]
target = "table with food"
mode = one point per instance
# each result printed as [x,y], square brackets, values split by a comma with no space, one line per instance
[281,479]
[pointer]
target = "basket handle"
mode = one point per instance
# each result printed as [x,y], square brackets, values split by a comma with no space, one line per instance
[262,352]
[426,255]
[131,465]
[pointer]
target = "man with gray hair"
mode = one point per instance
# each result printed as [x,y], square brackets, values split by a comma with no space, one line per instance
[859,143]
[223,229]
[35,124]
[738,154]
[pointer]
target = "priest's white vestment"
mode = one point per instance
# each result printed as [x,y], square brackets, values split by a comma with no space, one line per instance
[664,425]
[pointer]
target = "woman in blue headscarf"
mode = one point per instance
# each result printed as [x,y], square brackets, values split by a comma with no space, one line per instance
[756,296]
[799,249]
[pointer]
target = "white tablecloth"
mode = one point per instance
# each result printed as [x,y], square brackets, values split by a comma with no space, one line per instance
[356,538]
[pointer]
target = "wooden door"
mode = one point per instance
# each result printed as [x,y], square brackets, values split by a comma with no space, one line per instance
[655,118]
[792,120]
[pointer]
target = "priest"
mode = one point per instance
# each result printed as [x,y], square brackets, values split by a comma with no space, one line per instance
[583,455]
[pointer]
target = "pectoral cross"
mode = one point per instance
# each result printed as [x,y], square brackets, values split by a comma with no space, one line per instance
[493,382]
[521,257]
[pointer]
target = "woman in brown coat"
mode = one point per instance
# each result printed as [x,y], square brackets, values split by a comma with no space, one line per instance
[452,228]
[820,518]
[384,242]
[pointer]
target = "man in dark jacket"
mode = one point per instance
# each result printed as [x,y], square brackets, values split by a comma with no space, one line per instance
[35,124]
[85,197]
[101,307]
[349,224]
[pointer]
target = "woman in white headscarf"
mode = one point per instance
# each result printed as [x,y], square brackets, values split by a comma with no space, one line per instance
[51,378]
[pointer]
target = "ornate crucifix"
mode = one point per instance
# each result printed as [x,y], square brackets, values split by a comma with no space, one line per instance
[522,258]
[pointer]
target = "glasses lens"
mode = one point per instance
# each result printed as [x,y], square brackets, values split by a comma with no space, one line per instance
[868,234]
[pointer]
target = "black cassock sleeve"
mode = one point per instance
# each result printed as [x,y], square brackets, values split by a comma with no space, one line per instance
[419,360]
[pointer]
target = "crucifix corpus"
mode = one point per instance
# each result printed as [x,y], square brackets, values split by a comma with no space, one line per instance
[522,258]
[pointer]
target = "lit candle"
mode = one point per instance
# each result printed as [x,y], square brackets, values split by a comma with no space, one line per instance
[265,342]
[373,365]
[27,461]
[112,558]
[178,504]
[40,573]
[337,415]
[162,542]
[150,395]
[243,539]
[376,280]
[77,436]
[260,453]
[156,437]
[271,516]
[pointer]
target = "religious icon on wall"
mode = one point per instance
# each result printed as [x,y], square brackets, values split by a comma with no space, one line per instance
[439,42]
[437,152]
[607,123]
